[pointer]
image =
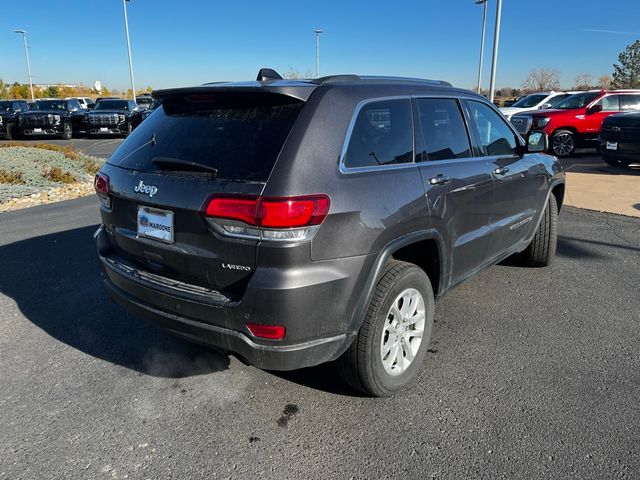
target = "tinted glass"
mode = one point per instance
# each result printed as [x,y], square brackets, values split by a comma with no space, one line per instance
[112,105]
[578,100]
[381,135]
[610,103]
[50,105]
[558,98]
[441,130]
[495,135]
[240,135]
[530,100]
[5,105]
[629,102]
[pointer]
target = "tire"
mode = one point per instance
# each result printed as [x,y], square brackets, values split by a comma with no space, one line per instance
[129,130]
[562,143]
[542,249]
[362,365]
[67,132]
[9,134]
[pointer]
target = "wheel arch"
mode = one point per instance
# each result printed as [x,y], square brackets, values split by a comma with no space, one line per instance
[424,248]
[558,191]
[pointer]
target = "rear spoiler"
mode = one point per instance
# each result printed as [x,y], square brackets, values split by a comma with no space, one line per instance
[297,90]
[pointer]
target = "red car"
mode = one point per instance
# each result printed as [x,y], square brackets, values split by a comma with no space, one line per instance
[576,121]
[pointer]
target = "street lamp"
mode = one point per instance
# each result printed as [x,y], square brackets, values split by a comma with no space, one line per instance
[318,32]
[494,60]
[126,31]
[484,23]
[26,54]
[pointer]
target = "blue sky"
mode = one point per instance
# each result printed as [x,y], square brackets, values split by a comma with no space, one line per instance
[194,41]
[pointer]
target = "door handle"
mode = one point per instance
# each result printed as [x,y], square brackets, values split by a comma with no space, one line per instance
[439,179]
[501,170]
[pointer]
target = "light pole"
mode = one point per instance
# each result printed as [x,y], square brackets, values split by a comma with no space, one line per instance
[126,31]
[26,54]
[494,60]
[484,24]
[318,32]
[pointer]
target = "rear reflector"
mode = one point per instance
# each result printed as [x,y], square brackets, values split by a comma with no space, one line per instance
[101,184]
[271,332]
[279,212]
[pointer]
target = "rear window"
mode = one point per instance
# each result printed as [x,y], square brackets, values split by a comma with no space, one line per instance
[240,135]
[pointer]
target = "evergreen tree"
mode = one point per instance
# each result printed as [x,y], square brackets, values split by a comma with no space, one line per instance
[626,73]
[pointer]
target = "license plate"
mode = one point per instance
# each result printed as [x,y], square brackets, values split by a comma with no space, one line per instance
[612,145]
[155,223]
[104,129]
[37,130]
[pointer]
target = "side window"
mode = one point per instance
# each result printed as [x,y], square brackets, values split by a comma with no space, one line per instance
[629,102]
[558,99]
[441,131]
[610,103]
[382,135]
[496,138]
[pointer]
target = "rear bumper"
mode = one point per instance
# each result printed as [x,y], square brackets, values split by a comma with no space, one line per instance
[211,318]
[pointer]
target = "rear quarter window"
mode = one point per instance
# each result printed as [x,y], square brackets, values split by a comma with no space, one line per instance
[240,135]
[382,134]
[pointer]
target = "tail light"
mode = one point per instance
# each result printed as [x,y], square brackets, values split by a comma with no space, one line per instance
[101,185]
[270,332]
[271,218]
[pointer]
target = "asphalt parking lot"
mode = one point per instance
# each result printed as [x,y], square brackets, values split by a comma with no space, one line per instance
[532,373]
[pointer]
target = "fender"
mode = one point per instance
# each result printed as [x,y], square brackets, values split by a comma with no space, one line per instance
[384,255]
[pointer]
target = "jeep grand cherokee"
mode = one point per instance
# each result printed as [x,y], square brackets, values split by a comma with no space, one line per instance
[298,222]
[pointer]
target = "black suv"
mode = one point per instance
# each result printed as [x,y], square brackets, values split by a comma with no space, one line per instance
[54,117]
[112,117]
[299,222]
[620,139]
[8,111]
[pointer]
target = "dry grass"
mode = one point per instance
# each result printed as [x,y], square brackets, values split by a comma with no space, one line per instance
[14,178]
[56,174]
[91,166]
[67,151]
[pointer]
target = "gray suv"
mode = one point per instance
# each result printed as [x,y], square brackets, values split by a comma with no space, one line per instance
[292,223]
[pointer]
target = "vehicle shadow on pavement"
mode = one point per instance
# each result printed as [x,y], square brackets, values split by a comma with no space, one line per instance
[55,281]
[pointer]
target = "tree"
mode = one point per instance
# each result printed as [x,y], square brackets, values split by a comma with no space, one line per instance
[541,80]
[604,82]
[584,81]
[51,91]
[626,73]
[294,74]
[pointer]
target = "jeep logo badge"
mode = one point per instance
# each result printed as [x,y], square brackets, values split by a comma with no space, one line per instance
[150,190]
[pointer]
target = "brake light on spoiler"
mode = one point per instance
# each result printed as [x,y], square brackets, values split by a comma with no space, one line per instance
[268,218]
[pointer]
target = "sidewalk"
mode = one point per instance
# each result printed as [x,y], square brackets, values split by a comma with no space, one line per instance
[594,185]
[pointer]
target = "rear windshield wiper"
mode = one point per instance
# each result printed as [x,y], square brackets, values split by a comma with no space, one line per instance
[183,165]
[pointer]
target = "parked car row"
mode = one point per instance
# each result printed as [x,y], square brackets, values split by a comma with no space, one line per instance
[577,120]
[70,117]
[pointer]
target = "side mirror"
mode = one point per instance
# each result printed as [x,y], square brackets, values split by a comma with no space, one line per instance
[594,109]
[546,105]
[537,142]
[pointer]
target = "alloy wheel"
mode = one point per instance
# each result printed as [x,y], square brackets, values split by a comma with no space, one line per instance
[402,332]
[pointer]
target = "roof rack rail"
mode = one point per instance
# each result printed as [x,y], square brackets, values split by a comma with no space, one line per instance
[407,79]
[337,79]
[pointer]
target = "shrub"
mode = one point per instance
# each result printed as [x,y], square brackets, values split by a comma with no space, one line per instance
[91,166]
[56,174]
[14,178]
[67,151]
